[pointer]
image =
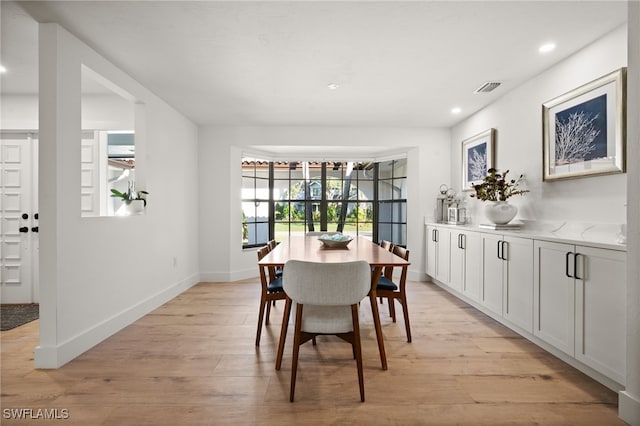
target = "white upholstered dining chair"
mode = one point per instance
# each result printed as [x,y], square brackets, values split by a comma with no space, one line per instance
[326,296]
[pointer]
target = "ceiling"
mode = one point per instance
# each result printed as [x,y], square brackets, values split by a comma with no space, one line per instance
[268,63]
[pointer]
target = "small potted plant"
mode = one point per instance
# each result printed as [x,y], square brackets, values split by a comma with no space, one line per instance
[133,201]
[497,188]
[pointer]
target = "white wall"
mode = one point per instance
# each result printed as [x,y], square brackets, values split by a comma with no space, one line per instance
[629,401]
[221,148]
[19,112]
[100,274]
[517,118]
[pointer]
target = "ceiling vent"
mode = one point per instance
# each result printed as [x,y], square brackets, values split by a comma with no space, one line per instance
[488,87]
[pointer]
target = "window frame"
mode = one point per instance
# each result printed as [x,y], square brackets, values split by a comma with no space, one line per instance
[310,198]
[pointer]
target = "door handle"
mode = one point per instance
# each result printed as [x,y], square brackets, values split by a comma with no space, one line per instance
[499,246]
[463,241]
[504,256]
[575,267]
[23,229]
[566,265]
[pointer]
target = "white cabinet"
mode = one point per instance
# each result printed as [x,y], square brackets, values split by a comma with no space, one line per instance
[517,254]
[580,296]
[554,295]
[507,278]
[600,310]
[569,295]
[466,263]
[438,245]
[491,287]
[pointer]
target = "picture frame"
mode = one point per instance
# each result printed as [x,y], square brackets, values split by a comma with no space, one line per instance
[477,158]
[584,130]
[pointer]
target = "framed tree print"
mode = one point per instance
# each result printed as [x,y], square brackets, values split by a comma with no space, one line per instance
[584,130]
[477,158]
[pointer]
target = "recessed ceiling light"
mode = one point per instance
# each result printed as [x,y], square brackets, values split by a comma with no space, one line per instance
[546,48]
[333,86]
[456,110]
[2,69]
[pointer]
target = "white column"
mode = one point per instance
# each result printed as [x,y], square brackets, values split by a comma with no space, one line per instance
[629,399]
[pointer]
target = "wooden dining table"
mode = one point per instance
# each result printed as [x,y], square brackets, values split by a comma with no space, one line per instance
[310,249]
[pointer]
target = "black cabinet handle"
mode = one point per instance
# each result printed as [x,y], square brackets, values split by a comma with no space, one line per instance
[25,216]
[575,266]
[35,216]
[504,256]
[499,254]
[23,229]
[566,264]
[436,232]
[463,241]
[35,229]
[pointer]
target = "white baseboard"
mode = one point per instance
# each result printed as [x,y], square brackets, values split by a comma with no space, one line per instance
[57,356]
[629,408]
[222,277]
[417,276]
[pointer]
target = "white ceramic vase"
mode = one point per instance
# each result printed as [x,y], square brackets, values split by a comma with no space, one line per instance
[132,208]
[500,212]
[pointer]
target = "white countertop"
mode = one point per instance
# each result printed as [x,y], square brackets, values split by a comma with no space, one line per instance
[593,234]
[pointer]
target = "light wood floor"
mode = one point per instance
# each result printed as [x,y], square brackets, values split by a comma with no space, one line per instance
[193,361]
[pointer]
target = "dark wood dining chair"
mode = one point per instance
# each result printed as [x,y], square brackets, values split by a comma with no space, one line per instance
[387,245]
[387,288]
[271,290]
[326,296]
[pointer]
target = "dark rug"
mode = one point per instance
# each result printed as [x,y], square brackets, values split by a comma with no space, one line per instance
[15,315]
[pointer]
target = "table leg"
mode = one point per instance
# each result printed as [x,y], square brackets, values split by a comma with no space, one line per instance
[283,332]
[376,315]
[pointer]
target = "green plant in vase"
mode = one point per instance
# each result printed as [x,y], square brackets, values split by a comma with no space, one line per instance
[497,188]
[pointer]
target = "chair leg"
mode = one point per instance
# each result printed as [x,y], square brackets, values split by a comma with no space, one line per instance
[392,308]
[357,349]
[406,319]
[283,332]
[266,319]
[296,350]
[260,318]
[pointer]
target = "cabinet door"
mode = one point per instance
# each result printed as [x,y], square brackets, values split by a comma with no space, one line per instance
[471,285]
[457,261]
[518,282]
[553,295]
[432,250]
[491,296]
[442,269]
[600,311]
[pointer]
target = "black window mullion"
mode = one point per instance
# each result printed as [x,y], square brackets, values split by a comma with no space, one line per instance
[376,201]
[323,197]
[272,210]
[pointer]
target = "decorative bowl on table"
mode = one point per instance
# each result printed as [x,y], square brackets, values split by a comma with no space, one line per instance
[335,240]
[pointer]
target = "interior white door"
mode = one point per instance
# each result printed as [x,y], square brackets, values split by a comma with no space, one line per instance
[90,174]
[19,224]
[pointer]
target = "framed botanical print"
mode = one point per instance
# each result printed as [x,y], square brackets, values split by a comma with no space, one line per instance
[584,131]
[477,158]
